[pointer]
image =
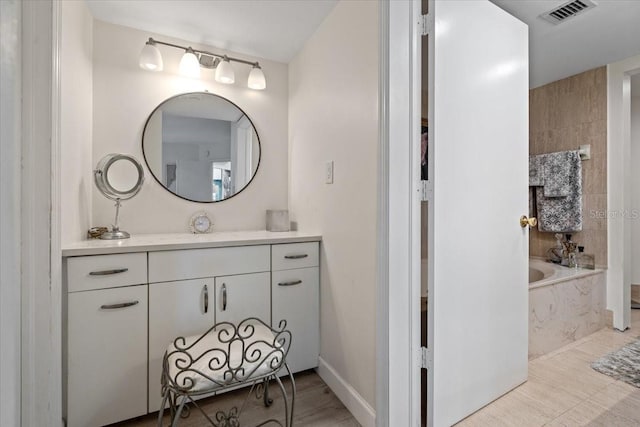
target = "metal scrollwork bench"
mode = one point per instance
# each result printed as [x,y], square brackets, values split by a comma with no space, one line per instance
[226,356]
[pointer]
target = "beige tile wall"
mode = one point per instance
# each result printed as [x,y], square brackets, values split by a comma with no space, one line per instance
[562,116]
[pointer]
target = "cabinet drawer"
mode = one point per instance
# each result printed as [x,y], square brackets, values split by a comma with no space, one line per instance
[107,356]
[295,298]
[184,264]
[294,255]
[106,271]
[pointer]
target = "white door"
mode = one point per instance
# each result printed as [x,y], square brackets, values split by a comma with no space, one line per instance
[181,308]
[194,179]
[478,290]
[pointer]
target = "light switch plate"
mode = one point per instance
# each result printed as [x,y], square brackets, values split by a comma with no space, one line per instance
[328,172]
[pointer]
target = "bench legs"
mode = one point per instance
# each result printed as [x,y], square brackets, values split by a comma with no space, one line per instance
[177,403]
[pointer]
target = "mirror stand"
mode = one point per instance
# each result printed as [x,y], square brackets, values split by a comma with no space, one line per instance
[124,182]
[115,232]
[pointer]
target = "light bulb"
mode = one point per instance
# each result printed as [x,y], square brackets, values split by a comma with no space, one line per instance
[150,57]
[224,72]
[256,78]
[189,64]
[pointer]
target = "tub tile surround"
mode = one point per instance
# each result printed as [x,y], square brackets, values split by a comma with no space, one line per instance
[565,309]
[564,115]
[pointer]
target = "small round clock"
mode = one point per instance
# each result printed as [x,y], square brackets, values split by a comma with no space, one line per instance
[200,223]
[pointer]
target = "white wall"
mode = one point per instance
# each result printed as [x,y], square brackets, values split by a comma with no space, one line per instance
[76,108]
[123,97]
[635,187]
[333,115]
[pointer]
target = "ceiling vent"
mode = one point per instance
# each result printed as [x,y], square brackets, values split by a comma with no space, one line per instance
[567,11]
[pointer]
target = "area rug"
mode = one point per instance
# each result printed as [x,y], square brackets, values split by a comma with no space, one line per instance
[623,365]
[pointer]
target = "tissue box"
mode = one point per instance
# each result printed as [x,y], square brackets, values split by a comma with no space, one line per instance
[278,220]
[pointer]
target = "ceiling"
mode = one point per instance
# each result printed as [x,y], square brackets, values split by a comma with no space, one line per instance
[607,33]
[277,29]
[271,29]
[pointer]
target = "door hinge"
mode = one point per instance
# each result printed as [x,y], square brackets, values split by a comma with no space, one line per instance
[426,359]
[426,24]
[426,191]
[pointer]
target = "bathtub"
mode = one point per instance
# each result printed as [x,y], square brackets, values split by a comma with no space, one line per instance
[565,304]
[543,273]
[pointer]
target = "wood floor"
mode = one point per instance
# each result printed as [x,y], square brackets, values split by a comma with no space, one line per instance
[315,405]
[563,389]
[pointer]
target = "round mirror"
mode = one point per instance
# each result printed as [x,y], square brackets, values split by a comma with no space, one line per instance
[119,176]
[122,176]
[201,147]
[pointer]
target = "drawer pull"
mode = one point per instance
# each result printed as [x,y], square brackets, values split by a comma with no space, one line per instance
[120,305]
[296,256]
[108,272]
[206,299]
[224,297]
[292,283]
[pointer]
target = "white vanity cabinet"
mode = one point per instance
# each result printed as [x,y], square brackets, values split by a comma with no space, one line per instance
[191,290]
[181,308]
[127,302]
[242,296]
[106,339]
[295,294]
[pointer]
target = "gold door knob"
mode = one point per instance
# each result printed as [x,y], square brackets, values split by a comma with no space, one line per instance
[531,222]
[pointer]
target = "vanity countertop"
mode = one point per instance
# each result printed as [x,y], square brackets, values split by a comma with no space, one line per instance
[164,242]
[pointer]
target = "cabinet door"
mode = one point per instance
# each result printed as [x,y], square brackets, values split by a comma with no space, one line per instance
[242,296]
[296,299]
[176,309]
[107,355]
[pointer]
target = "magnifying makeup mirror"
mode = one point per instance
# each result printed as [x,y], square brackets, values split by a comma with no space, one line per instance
[118,177]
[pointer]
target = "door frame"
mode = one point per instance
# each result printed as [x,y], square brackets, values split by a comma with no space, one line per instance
[398,308]
[10,166]
[619,189]
[397,372]
[41,281]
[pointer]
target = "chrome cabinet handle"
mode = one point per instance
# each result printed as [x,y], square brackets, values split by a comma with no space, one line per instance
[206,299]
[224,297]
[108,272]
[296,256]
[120,305]
[292,283]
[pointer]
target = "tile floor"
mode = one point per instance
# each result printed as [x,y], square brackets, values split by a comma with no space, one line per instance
[563,390]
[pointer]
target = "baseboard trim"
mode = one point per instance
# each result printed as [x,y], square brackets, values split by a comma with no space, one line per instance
[359,408]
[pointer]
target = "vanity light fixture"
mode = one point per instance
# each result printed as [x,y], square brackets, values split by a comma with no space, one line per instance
[224,72]
[189,64]
[150,57]
[256,78]
[193,59]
